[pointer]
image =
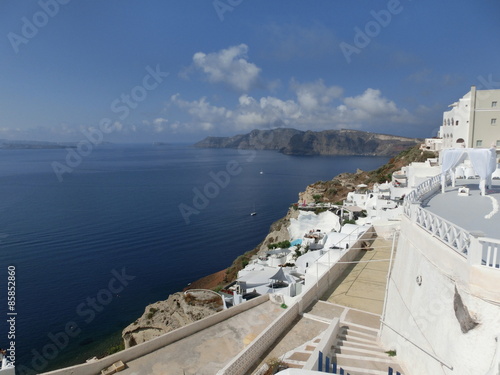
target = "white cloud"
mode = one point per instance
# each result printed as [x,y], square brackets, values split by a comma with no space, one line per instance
[315,94]
[159,124]
[228,66]
[315,106]
[372,106]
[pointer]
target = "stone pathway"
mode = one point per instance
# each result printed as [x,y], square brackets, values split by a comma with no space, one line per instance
[207,351]
[357,299]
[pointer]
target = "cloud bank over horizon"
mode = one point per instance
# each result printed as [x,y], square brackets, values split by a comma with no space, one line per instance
[184,73]
[310,105]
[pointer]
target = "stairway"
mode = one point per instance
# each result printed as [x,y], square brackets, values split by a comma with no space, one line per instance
[358,353]
[298,357]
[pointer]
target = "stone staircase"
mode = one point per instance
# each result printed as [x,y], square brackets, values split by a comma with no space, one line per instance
[358,353]
[356,349]
[298,357]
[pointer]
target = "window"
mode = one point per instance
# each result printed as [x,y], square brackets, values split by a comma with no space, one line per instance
[456,122]
[498,143]
[493,104]
[493,121]
[479,143]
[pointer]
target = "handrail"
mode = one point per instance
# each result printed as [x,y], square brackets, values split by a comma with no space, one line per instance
[417,346]
[453,235]
[492,248]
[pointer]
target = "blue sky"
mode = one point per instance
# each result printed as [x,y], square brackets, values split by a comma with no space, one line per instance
[224,67]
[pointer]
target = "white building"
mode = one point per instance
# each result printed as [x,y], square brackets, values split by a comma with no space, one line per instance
[442,312]
[473,121]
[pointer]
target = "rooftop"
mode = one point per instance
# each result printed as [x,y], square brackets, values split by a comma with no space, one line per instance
[474,213]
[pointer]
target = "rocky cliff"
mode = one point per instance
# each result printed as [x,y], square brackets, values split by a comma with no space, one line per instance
[327,142]
[177,311]
[181,309]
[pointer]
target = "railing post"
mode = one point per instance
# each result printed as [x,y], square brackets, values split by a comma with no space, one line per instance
[475,252]
[413,211]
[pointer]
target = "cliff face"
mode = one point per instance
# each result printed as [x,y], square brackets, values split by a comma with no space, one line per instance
[275,139]
[327,142]
[177,311]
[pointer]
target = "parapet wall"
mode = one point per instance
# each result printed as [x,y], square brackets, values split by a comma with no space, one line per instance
[437,320]
[159,342]
[253,352]
[251,355]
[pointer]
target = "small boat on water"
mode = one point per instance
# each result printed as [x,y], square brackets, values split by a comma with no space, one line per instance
[253,213]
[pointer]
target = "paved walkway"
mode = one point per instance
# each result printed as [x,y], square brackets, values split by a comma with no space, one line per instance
[362,285]
[356,297]
[209,350]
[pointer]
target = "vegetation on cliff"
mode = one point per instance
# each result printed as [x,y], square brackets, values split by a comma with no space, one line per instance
[333,191]
[164,316]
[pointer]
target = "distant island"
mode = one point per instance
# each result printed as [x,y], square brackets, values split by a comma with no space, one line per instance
[326,142]
[28,145]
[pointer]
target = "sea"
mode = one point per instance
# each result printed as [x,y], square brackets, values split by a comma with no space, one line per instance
[124,226]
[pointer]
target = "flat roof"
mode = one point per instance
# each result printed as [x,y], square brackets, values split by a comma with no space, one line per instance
[469,212]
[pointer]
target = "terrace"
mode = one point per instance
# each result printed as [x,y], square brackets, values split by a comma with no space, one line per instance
[468,223]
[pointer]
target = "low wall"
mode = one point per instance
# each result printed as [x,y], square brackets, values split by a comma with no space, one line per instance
[247,358]
[324,346]
[159,342]
[328,276]
[252,353]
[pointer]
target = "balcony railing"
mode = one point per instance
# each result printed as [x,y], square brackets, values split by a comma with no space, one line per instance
[491,252]
[451,234]
[478,250]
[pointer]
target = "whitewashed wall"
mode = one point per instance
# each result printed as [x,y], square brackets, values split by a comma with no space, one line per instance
[424,315]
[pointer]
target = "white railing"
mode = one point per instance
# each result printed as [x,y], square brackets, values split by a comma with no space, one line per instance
[487,253]
[421,192]
[454,236]
[490,252]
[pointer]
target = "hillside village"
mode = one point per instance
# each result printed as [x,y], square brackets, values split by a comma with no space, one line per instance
[390,271]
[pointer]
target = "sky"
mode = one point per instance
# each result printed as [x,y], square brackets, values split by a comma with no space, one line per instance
[181,70]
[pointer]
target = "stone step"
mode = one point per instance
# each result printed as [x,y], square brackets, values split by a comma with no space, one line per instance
[356,344]
[299,356]
[361,371]
[294,364]
[317,318]
[376,352]
[361,335]
[368,363]
[354,338]
[359,329]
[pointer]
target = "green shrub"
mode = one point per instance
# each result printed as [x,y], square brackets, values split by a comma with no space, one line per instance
[279,245]
[116,348]
[317,198]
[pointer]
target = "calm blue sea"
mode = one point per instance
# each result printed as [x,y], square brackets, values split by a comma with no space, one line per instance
[118,213]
